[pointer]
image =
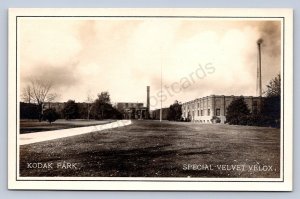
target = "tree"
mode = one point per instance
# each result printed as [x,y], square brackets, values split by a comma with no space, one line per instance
[102,108]
[103,101]
[50,115]
[105,111]
[271,103]
[237,111]
[26,94]
[104,97]
[71,110]
[82,111]
[274,87]
[39,92]
[175,111]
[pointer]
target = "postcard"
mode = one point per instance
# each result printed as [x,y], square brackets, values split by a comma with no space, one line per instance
[150,99]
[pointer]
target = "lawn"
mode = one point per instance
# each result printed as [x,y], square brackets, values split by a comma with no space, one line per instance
[31,126]
[154,149]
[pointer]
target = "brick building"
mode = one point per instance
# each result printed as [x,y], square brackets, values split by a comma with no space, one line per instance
[207,109]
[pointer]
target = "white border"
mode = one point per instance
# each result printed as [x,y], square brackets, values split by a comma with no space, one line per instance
[109,184]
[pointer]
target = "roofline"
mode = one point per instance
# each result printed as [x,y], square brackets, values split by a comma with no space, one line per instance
[222,96]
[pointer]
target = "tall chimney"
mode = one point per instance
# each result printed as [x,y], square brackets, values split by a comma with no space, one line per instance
[148,102]
[258,80]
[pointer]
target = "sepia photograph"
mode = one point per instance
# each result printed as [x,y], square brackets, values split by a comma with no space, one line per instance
[146,96]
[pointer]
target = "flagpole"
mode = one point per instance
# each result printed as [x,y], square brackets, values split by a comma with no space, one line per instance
[160,118]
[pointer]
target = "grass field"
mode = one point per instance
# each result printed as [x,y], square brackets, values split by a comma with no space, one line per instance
[153,149]
[31,126]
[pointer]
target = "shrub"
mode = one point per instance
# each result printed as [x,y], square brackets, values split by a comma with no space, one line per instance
[50,115]
[187,119]
[215,119]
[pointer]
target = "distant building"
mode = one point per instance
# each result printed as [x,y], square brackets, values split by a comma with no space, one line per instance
[135,110]
[58,106]
[131,110]
[155,114]
[206,109]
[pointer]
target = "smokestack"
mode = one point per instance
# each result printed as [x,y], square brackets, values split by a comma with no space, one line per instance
[148,101]
[258,80]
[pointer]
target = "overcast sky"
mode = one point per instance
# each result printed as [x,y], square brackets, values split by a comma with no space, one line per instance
[123,56]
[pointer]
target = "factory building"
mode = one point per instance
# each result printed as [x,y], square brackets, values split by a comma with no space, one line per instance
[135,110]
[132,110]
[212,109]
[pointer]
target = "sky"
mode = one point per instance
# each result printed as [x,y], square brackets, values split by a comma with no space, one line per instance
[194,57]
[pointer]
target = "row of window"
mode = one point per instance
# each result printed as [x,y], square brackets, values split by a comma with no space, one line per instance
[218,112]
[255,103]
[201,112]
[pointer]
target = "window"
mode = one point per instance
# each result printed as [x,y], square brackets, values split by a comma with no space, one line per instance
[217,112]
[198,113]
[208,112]
[201,112]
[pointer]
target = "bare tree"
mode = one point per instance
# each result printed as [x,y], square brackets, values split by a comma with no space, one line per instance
[89,101]
[26,94]
[39,92]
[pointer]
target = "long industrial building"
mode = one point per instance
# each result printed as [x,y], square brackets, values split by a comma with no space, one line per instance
[213,108]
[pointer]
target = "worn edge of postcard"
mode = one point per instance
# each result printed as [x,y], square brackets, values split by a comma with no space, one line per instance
[214,184]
